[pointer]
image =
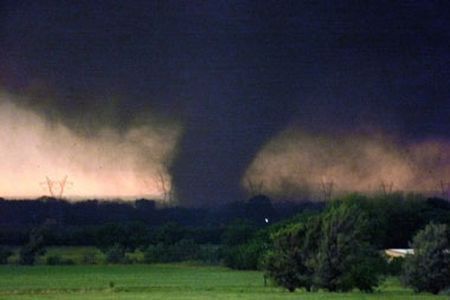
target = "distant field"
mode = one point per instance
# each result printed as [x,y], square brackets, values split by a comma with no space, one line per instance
[181,281]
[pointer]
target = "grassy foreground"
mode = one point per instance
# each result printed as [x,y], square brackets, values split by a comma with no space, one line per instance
[181,281]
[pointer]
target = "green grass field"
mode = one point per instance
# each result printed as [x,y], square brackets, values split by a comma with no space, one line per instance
[182,281]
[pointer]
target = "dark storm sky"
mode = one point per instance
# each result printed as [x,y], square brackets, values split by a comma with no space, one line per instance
[235,72]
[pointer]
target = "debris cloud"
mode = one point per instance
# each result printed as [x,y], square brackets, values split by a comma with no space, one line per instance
[298,164]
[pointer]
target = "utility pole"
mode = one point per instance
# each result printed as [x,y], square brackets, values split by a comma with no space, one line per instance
[56,187]
[445,189]
[386,188]
[326,188]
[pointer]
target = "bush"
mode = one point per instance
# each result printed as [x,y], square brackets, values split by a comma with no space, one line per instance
[5,253]
[445,292]
[394,266]
[127,236]
[170,233]
[34,247]
[185,249]
[155,253]
[58,260]
[89,258]
[238,233]
[243,246]
[116,255]
[243,257]
[428,269]
[209,254]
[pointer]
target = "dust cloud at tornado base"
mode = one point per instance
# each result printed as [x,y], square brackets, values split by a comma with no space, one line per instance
[297,164]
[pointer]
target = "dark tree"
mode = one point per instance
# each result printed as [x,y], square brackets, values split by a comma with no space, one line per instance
[345,259]
[289,263]
[128,236]
[115,254]
[237,233]
[34,247]
[5,253]
[329,251]
[170,233]
[240,247]
[429,268]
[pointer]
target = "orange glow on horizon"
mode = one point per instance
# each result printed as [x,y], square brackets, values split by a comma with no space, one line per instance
[107,164]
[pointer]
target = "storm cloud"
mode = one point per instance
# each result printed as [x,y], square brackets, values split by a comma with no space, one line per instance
[231,76]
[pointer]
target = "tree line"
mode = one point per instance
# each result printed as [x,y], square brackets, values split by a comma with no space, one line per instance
[335,246]
[78,223]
